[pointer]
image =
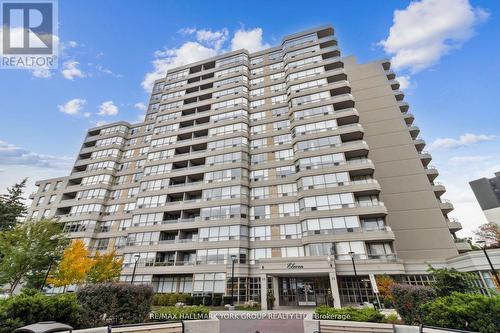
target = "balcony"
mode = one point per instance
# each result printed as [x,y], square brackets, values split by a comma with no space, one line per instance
[438,189]
[414,131]
[419,143]
[454,225]
[425,157]
[408,117]
[462,245]
[445,205]
[399,95]
[403,106]
[432,172]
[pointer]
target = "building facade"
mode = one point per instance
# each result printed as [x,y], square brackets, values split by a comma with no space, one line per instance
[487,192]
[292,164]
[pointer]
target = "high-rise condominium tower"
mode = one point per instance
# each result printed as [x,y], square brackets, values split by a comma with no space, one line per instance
[291,163]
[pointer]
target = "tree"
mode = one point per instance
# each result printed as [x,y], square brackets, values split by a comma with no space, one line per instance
[11,206]
[447,281]
[384,284]
[105,268]
[28,249]
[74,266]
[489,233]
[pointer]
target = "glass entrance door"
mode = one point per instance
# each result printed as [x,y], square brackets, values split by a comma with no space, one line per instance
[306,295]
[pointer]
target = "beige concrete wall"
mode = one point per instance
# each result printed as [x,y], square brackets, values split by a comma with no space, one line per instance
[413,210]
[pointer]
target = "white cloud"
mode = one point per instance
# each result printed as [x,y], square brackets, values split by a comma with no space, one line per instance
[187,31]
[108,109]
[405,82]
[169,58]
[87,114]
[465,140]
[72,43]
[72,107]
[104,70]
[211,38]
[140,106]
[426,30]
[13,155]
[250,40]
[71,70]
[43,73]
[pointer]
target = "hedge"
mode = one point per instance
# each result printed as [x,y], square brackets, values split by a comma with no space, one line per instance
[173,313]
[471,312]
[31,306]
[366,314]
[114,303]
[172,299]
[407,300]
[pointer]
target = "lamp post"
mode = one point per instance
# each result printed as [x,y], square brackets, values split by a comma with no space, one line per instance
[352,254]
[47,274]
[493,270]
[233,260]
[136,257]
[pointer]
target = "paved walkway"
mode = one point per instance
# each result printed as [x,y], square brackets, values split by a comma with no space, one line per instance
[266,321]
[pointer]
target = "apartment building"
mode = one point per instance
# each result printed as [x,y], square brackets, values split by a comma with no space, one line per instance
[292,163]
[487,192]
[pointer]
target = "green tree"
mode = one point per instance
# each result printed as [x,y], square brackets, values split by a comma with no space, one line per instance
[105,268]
[12,206]
[449,280]
[28,249]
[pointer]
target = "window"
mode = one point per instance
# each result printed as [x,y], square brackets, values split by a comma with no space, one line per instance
[324,181]
[307,85]
[154,185]
[290,252]
[293,54]
[242,69]
[232,91]
[230,103]
[236,79]
[277,76]
[257,193]
[328,225]
[260,212]
[282,139]
[282,155]
[231,142]
[327,202]
[209,282]
[238,127]
[256,104]
[307,73]
[227,158]
[278,99]
[259,175]
[317,162]
[257,116]
[256,81]
[153,201]
[214,234]
[257,71]
[318,111]
[257,92]
[307,99]
[233,60]
[223,212]
[286,190]
[222,193]
[317,144]
[300,40]
[303,62]
[278,87]
[288,209]
[225,175]
[260,233]
[228,115]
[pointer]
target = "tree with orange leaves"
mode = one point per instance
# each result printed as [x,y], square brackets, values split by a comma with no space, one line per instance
[106,268]
[73,267]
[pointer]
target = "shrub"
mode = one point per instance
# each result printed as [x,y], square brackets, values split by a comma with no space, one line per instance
[392,318]
[325,312]
[31,307]
[448,281]
[464,312]
[114,303]
[170,299]
[166,313]
[407,300]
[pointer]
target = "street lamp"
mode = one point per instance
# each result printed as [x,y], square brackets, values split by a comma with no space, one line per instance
[136,257]
[352,254]
[489,261]
[233,260]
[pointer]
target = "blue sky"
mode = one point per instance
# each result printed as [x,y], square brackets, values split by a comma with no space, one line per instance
[444,51]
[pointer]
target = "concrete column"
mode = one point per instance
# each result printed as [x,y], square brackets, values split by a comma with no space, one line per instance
[335,289]
[263,292]
[276,291]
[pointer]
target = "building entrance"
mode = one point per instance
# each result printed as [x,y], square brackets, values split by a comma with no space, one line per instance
[304,291]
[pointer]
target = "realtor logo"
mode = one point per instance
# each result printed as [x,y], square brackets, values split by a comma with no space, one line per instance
[29,34]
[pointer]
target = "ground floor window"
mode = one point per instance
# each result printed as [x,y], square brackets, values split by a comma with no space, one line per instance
[173,283]
[349,293]
[245,289]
